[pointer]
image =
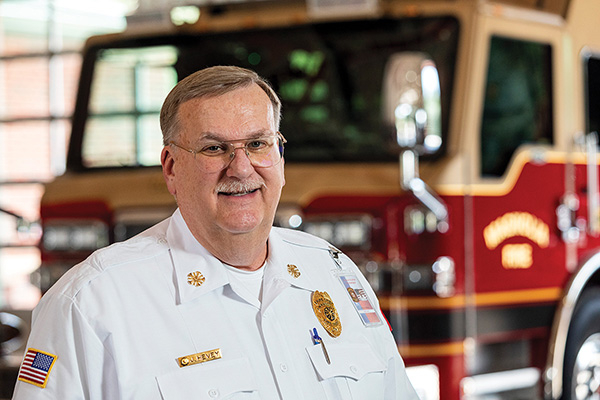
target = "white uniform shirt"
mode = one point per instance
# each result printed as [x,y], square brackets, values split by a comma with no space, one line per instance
[118,323]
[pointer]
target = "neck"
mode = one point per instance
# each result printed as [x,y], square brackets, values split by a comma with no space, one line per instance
[248,258]
[244,251]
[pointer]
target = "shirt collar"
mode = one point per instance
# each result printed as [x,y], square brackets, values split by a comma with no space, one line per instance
[196,270]
[285,265]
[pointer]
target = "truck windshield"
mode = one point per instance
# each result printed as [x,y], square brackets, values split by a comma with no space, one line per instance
[328,75]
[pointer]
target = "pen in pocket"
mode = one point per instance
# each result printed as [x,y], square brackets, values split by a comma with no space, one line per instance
[317,340]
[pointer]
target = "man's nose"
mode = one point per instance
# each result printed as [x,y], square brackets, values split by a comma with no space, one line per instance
[240,164]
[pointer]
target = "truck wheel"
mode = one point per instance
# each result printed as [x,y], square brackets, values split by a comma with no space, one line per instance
[581,378]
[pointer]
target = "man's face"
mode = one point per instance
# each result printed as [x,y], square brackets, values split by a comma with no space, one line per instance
[241,198]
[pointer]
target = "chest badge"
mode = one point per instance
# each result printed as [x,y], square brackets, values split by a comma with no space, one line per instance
[195,278]
[326,313]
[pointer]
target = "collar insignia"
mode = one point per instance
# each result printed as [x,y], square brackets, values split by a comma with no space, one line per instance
[195,278]
[293,271]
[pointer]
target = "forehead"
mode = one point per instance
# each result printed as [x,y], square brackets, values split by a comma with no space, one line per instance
[238,114]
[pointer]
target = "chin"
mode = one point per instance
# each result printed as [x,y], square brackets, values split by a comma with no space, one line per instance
[242,225]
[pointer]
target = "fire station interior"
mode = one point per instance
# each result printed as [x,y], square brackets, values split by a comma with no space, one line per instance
[450,148]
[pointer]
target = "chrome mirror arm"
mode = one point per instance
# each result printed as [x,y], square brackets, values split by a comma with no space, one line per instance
[409,172]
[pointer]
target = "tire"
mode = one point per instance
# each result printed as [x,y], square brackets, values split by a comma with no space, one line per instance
[581,376]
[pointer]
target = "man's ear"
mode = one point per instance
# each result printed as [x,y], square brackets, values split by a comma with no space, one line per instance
[283,168]
[168,167]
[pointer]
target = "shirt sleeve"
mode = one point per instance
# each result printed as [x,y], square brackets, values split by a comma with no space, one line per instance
[82,369]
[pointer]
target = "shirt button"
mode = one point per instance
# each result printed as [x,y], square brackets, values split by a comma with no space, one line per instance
[283,367]
[213,392]
[353,369]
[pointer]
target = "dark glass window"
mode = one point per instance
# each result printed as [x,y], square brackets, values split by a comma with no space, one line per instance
[592,75]
[518,101]
[328,75]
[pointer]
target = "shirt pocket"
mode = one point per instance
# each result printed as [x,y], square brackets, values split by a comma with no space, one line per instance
[225,379]
[355,370]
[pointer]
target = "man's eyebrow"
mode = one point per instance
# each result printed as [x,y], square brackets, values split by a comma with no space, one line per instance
[219,138]
[210,136]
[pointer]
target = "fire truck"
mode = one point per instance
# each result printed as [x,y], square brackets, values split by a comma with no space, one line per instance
[448,147]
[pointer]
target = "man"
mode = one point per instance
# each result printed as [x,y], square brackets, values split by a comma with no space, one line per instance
[214,302]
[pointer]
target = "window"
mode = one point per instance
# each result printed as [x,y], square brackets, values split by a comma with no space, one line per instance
[592,95]
[329,77]
[128,89]
[518,101]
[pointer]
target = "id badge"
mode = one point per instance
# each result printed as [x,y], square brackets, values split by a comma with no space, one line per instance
[360,299]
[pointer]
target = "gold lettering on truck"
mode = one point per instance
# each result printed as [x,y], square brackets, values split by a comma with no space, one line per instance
[517,256]
[522,224]
[516,224]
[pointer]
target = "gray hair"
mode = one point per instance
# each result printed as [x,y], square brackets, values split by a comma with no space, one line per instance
[211,82]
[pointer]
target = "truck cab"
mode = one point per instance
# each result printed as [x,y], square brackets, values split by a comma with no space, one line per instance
[443,145]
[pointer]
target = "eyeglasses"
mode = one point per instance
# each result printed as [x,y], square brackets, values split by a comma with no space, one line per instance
[263,152]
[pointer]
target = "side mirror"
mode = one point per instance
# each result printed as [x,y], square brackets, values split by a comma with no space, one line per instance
[412,102]
[412,105]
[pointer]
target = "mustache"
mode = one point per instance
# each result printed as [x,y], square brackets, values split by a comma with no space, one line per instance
[235,186]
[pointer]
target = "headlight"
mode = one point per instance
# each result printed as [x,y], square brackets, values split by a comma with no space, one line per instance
[350,232]
[80,235]
[439,277]
[288,216]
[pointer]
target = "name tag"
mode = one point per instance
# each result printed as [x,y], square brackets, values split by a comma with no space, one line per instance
[199,358]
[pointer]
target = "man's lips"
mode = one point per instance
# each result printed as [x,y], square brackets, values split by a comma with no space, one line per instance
[236,188]
[237,194]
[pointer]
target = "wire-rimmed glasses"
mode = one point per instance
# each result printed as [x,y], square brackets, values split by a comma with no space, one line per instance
[214,155]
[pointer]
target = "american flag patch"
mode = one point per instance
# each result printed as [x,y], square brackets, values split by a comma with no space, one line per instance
[36,367]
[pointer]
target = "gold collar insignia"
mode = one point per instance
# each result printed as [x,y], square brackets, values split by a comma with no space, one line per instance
[195,278]
[293,271]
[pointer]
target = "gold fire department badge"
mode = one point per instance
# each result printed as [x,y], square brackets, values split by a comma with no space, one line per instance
[326,313]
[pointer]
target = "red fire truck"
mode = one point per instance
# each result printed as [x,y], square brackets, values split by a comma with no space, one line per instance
[447,146]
